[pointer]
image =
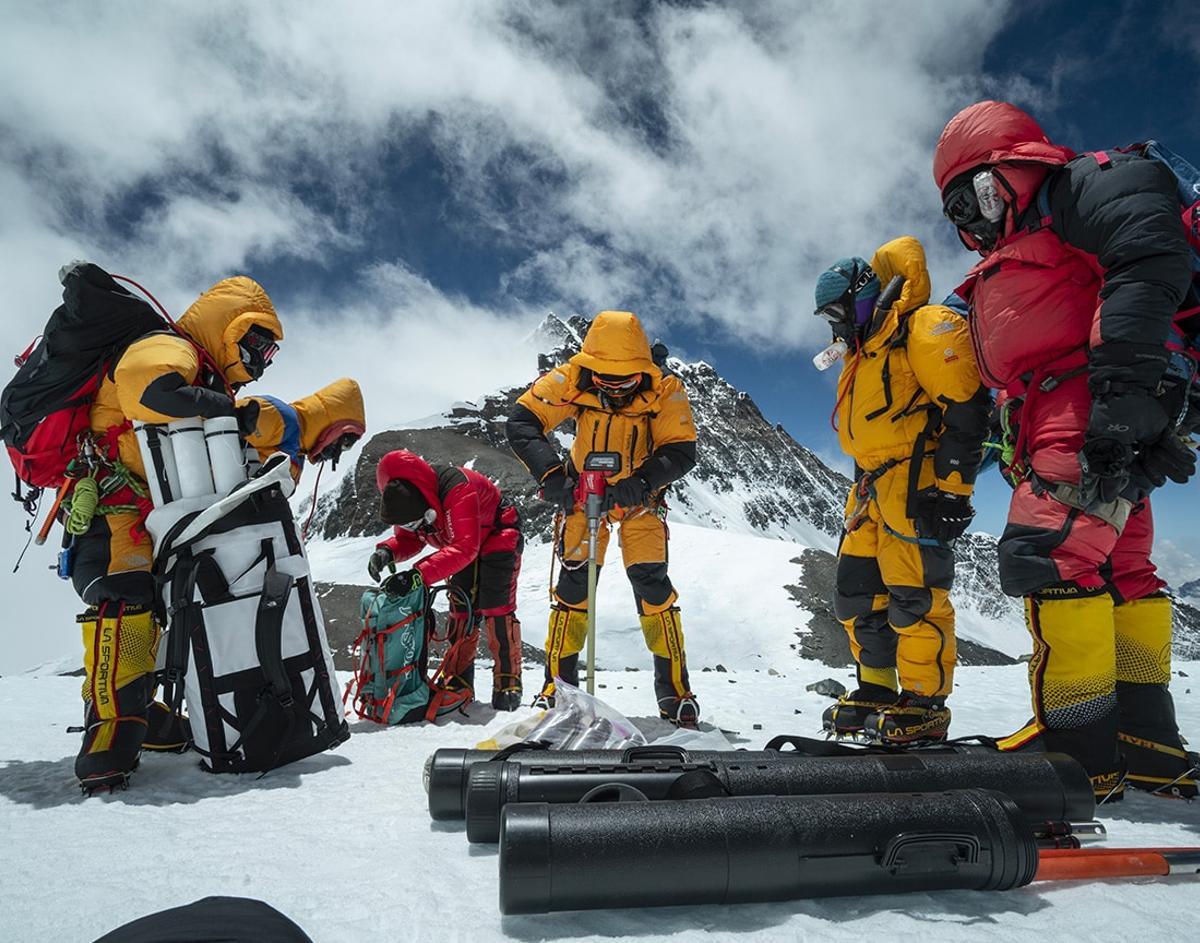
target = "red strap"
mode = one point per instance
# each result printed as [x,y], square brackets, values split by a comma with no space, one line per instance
[1102,159]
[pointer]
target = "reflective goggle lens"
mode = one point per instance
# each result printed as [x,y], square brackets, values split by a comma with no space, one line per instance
[961,205]
[833,313]
[617,384]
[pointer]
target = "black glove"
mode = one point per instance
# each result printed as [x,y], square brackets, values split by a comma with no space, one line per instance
[559,488]
[247,417]
[1103,471]
[379,559]
[1131,417]
[1169,458]
[942,515]
[629,492]
[402,583]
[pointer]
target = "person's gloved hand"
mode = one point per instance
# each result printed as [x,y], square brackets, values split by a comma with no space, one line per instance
[629,492]
[379,559]
[402,583]
[943,515]
[1168,458]
[247,417]
[559,488]
[1103,471]
[1130,416]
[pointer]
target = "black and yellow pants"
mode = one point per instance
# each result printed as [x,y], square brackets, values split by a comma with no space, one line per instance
[643,537]
[892,594]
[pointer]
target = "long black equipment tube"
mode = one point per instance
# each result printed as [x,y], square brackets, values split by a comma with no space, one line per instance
[1046,787]
[760,848]
[447,769]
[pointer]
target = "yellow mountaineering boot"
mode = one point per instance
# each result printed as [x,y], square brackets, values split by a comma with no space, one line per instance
[565,638]
[663,632]
[120,643]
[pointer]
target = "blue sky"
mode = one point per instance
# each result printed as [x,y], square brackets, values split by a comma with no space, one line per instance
[416,184]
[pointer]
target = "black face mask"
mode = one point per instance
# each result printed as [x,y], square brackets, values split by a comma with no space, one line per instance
[960,205]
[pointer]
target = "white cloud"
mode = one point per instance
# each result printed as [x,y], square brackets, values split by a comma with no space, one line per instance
[699,164]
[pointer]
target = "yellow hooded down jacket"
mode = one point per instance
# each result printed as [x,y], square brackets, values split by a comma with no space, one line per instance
[654,431]
[914,383]
[160,377]
[309,425]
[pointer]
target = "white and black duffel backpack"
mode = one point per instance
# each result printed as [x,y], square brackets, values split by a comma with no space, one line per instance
[246,643]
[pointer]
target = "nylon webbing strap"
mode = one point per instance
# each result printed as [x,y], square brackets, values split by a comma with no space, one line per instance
[268,632]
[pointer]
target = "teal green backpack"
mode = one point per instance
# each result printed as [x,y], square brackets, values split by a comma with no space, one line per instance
[392,682]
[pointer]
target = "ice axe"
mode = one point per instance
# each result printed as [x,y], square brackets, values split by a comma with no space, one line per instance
[598,467]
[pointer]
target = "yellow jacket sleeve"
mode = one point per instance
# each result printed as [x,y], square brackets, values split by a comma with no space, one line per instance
[549,399]
[269,431]
[943,361]
[149,372]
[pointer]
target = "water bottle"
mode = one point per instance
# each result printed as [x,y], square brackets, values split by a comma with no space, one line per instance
[830,355]
[990,204]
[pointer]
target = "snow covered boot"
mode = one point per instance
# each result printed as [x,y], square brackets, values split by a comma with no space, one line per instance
[912,719]
[166,732]
[504,642]
[120,644]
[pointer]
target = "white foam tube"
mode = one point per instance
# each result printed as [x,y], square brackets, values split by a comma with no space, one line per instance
[191,458]
[158,457]
[225,453]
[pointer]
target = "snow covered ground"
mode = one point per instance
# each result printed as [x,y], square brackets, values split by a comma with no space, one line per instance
[343,843]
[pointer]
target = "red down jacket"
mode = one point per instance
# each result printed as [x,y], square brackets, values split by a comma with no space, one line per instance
[466,503]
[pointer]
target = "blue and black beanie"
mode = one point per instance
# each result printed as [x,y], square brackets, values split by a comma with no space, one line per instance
[843,275]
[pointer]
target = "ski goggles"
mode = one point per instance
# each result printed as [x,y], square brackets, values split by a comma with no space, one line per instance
[960,205]
[617,385]
[834,313]
[262,346]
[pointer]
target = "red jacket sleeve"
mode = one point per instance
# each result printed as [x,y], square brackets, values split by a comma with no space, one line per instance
[403,544]
[461,506]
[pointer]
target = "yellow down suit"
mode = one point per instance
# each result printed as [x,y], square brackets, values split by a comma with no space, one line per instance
[655,435]
[912,415]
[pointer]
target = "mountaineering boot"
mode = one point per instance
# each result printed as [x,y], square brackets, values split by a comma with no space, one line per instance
[120,644]
[504,642]
[911,719]
[566,635]
[568,670]
[166,732]
[1147,732]
[1159,768]
[663,632]
[848,716]
[876,689]
[1156,760]
[681,711]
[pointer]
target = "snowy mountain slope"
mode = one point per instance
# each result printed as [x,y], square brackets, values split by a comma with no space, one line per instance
[342,842]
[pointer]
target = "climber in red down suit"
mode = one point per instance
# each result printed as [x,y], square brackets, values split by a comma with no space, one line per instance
[478,541]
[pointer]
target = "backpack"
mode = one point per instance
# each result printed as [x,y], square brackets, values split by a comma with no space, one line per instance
[392,683]
[245,643]
[1187,181]
[1180,392]
[46,407]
